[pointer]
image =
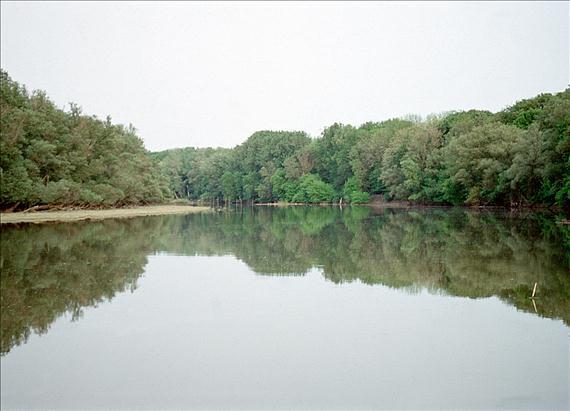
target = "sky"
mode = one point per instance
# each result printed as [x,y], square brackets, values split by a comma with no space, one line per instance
[210,74]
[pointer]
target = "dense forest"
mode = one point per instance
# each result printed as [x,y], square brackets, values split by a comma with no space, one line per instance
[518,156]
[52,157]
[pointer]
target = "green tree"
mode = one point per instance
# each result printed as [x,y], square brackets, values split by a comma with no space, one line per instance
[479,160]
[313,190]
[352,194]
[50,156]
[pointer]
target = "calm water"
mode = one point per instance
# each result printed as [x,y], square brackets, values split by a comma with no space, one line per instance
[312,308]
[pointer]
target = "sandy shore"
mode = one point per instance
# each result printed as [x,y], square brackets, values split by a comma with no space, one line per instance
[76,215]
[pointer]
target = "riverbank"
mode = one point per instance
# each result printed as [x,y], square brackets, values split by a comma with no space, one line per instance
[78,215]
[414,205]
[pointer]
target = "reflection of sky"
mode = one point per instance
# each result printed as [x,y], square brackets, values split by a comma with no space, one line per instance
[208,332]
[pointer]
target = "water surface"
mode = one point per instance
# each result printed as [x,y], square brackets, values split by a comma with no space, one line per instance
[301,307]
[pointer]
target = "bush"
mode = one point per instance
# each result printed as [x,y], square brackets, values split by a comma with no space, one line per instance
[110,195]
[60,192]
[359,197]
[313,190]
[352,194]
[89,197]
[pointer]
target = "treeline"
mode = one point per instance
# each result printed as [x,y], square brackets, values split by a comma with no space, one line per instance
[50,156]
[519,156]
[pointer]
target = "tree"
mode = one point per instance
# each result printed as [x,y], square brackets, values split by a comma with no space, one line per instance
[479,161]
[332,162]
[231,186]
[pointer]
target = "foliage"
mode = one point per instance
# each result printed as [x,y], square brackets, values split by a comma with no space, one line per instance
[479,160]
[49,156]
[332,152]
[519,156]
[313,190]
[352,194]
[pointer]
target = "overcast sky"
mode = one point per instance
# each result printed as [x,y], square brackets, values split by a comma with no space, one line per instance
[210,74]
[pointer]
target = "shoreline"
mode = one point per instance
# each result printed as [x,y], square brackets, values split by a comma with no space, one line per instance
[404,204]
[56,216]
[82,215]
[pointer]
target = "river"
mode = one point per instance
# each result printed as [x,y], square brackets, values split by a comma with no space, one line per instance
[288,308]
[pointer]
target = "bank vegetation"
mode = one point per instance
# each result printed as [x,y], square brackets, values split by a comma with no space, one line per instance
[517,157]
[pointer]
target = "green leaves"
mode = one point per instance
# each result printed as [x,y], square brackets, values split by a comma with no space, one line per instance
[49,156]
[352,194]
[480,158]
[520,155]
[313,190]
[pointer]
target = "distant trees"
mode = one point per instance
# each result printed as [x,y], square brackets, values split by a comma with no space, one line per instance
[519,156]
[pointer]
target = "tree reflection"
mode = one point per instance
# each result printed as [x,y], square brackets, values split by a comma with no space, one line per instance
[54,269]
